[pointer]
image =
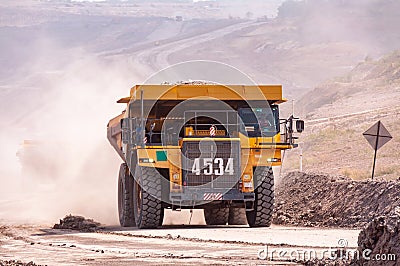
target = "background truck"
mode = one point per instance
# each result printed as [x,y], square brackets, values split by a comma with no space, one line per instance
[202,146]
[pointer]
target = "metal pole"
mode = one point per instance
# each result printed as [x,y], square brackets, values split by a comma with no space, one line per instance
[301,158]
[376,149]
[142,117]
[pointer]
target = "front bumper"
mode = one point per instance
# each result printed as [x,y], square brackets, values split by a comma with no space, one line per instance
[196,195]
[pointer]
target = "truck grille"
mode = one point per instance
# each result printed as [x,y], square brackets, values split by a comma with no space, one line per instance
[211,164]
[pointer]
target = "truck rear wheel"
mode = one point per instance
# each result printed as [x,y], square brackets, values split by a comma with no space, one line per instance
[125,197]
[261,215]
[147,202]
[237,216]
[216,216]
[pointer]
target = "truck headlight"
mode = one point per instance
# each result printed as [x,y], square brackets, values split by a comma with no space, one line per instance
[146,160]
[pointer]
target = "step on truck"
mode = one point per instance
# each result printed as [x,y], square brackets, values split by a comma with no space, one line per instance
[205,146]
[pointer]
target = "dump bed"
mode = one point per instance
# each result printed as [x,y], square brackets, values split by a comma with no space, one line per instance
[272,93]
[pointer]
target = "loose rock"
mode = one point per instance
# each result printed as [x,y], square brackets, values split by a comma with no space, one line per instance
[77,223]
[381,237]
[16,263]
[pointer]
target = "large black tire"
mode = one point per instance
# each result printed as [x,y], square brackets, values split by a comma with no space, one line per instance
[125,197]
[218,216]
[237,216]
[148,209]
[261,216]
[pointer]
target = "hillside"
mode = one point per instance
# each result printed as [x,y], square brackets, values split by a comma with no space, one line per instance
[339,111]
[309,42]
[370,85]
[64,65]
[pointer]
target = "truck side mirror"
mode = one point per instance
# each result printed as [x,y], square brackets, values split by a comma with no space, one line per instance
[299,126]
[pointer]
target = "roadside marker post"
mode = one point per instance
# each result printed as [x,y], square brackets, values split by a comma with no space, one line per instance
[377,136]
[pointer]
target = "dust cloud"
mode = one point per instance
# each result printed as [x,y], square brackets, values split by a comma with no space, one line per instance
[60,98]
[55,156]
[250,9]
[369,24]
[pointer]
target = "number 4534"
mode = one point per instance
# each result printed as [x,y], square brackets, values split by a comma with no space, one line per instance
[208,166]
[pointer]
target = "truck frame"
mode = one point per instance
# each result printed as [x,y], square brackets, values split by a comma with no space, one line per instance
[206,146]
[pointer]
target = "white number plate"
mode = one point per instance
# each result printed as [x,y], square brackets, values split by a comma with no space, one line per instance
[207,166]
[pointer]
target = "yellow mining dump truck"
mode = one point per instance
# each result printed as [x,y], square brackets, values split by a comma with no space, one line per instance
[202,146]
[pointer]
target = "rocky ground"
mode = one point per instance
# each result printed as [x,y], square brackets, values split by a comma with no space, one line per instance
[381,237]
[333,201]
[16,263]
[319,200]
[328,205]
[378,244]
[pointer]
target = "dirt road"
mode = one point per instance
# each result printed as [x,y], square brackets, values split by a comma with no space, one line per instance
[194,245]
[155,58]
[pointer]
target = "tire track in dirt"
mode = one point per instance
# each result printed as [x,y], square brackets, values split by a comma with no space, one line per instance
[156,58]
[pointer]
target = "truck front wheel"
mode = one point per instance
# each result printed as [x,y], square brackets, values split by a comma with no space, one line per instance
[261,215]
[147,198]
[125,197]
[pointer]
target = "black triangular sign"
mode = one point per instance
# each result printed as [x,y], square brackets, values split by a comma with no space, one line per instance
[372,135]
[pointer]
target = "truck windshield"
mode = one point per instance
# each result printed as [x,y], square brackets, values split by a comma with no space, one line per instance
[260,121]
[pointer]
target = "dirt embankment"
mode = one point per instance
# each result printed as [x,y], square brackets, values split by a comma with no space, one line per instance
[337,201]
[320,200]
